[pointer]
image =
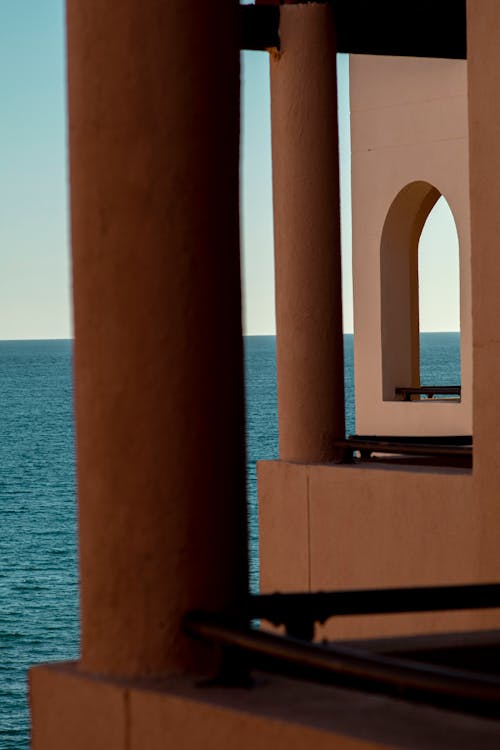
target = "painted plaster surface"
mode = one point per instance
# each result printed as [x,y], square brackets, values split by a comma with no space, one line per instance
[484,116]
[154,140]
[346,527]
[408,125]
[336,527]
[284,527]
[309,340]
[278,714]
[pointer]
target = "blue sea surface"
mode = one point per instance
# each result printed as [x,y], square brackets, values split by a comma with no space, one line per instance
[38,558]
[38,573]
[440,358]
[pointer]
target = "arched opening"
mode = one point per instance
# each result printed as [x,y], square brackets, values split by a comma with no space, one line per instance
[439,299]
[419,292]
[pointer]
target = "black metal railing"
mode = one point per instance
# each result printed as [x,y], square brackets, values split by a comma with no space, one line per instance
[448,450]
[408,393]
[248,648]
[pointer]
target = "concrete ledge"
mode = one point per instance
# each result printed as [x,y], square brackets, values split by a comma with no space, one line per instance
[77,711]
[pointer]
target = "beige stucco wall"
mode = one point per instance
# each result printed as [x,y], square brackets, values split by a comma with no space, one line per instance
[353,527]
[337,527]
[77,711]
[408,124]
[483,41]
[80,711]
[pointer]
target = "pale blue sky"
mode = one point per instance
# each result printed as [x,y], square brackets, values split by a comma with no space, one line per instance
[34,234]
[34,275]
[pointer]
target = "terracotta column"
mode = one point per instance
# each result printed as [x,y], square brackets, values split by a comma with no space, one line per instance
[307,235]
[154,141]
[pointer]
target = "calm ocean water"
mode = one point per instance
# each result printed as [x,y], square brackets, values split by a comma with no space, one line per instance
[38,568]
[38,599]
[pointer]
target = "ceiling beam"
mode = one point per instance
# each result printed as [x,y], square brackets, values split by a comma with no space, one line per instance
[259,26]
[414,28]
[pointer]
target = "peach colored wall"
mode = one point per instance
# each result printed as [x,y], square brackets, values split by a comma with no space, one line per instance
[81,712]
[408,124]
[484,117]
[347,527]
[356,527]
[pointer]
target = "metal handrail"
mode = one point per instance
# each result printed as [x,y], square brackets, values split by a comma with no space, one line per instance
[427,390]
[470,692]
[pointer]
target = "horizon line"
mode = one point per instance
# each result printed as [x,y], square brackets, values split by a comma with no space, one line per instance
[245,335]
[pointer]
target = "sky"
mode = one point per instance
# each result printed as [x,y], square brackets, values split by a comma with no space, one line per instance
[35,296]
[34,254]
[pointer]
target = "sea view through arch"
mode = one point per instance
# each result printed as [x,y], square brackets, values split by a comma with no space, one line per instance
[38,556]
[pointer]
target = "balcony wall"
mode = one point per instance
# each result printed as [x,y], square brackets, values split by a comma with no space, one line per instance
[78,711]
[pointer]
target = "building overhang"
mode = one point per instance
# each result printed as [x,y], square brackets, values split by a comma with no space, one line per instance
[421,28]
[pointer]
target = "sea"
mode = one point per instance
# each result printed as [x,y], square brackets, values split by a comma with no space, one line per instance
[38,555]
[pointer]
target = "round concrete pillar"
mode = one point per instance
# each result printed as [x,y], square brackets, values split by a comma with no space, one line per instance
[307,235]
[154,142]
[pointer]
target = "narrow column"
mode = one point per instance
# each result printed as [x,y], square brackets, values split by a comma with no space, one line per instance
[307,235]
[154,121]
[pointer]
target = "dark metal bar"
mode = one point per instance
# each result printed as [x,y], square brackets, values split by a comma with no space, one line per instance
[428,390]
[422,439]
[352,667]
[298,612]
[405,448]
[259,27]
[449,450]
